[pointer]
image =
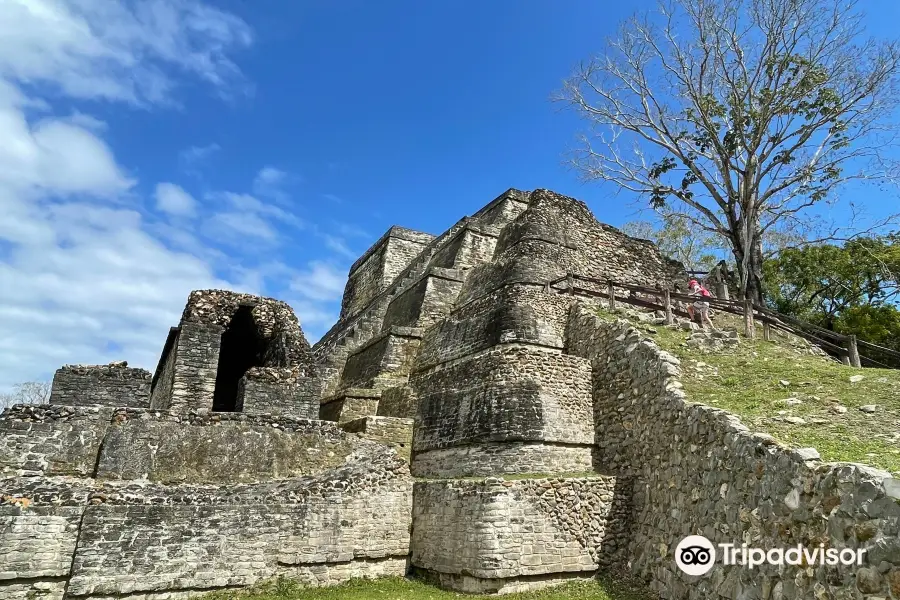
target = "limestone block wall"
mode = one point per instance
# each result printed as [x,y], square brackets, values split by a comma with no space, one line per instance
[223,448]
[51,440]
[39,523]
[164,376]
[508,393]
[196,362]
[383,361]
[698,470]
[557,234]
[379,265]
[398,401]
[426,301]
[279,392]
[103,540]
[114,384]
[510,313]
[497,458]
[484,535]
[469,247]
[494,216]
[240,539]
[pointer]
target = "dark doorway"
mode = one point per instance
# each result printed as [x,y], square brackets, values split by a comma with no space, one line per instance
[241,349]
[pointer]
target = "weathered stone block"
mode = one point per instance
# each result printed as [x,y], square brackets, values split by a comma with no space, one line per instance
[52,440]
[379,265]
[392,431]
[509,393]
[222,448]
[279,392]
[497,530]
[350,404]
[383,362]
[114,384]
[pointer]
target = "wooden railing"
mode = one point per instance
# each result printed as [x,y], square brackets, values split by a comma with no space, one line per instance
[848,348]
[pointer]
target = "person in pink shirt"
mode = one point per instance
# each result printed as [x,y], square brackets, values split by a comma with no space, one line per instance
[700,305]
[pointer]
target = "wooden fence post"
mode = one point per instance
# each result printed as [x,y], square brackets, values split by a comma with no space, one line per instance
[767,331]
[668,301]
[749,326]
[612,295]
[853,352]
[570,283]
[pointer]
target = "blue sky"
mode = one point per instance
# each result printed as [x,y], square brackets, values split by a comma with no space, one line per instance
[166,145]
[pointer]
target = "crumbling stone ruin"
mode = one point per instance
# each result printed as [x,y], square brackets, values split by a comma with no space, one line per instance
[459,422]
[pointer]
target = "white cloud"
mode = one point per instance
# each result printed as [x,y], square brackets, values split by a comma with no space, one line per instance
[320,281]
[173,200]
[190,157]
[270,183]
[81,270]
[119,50]
[241,215]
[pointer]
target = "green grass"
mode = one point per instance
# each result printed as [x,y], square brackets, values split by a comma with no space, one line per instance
[746,382]
[398,588]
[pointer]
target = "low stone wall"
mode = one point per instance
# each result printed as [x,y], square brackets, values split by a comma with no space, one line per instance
[698,470]
[114,384]
[485,535]
[508,393]
[279,392]
[484,460]
[52,440]
[141,540]
[223,448]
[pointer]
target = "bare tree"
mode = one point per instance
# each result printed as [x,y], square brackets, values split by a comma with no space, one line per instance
[31,392]
[696,250]
[739,115]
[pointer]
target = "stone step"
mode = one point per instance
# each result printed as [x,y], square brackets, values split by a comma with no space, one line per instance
[395,432]
[350,404]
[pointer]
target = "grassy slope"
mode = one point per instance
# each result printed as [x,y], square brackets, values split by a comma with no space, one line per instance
[396,588]
[748,382]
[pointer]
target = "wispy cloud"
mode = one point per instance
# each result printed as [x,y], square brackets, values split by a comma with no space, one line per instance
[173,200]
[121,51]
[86,274]
[271,182]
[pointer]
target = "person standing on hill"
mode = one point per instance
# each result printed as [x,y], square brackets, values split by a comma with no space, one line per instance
[701,304]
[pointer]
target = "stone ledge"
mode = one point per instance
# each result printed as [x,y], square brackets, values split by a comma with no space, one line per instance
[396,331]
[353,393]
[504,458]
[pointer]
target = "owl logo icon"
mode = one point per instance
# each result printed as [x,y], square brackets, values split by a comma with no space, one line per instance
[695,555]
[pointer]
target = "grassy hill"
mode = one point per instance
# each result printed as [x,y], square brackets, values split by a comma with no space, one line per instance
[799,398]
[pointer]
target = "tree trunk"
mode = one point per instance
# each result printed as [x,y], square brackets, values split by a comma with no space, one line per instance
[749,267]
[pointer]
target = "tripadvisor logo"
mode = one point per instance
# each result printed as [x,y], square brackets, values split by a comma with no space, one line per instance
[696,555]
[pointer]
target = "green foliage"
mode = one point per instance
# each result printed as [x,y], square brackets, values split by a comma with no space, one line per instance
[876,324]
[821,283]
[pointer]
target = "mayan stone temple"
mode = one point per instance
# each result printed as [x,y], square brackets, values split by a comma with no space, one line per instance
[461,422]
